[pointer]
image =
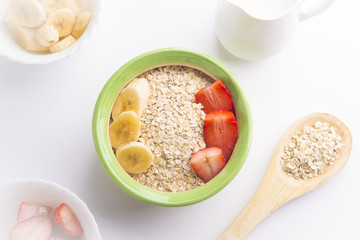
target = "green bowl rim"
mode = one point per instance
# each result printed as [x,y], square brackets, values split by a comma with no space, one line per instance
[137,190]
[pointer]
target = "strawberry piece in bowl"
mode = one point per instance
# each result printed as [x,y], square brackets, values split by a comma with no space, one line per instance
[28,210]
[208,163]
[221,130]
[34,228]
[64,216]
[215,97]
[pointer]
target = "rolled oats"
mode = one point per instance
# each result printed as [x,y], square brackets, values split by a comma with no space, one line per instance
[311,151]
[172,127]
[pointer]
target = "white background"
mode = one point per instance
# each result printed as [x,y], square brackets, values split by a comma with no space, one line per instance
[46,113]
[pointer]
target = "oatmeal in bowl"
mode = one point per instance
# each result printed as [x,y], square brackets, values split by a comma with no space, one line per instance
[171,127]
[156,127]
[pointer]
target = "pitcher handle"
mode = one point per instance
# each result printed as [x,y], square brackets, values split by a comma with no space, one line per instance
[311,8]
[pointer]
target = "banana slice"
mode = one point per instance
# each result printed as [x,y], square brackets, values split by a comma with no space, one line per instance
[134,157]
[63,20]
[25,37]
[47,35]
[125,129]
[81,23]
[77,7]
[51,6]
[28,13]
[62,44]
[133,97]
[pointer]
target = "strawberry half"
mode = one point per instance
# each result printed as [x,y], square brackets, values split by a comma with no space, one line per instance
[65,217]
[35,228]
[215,97]
[221,130]
[208,162]
[28,210]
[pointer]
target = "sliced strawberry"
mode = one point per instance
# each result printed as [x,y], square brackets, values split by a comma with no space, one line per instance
[221,130]
[57,238]
[208,162]
[28,210]
[215,97]
[65,217]
[34,228]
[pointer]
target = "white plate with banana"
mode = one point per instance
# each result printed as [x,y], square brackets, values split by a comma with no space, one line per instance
[44,31]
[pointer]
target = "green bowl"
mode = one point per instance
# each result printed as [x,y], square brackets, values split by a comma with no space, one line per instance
[140,64]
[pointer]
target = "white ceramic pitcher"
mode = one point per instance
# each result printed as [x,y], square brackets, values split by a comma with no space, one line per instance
[257,29]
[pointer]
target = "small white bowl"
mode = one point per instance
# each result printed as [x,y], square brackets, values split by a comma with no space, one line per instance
[46,193]
[10,49]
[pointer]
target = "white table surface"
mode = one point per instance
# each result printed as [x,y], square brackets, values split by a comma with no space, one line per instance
[46,113]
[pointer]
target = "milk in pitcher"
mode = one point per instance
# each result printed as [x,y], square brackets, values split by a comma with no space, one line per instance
[264,9]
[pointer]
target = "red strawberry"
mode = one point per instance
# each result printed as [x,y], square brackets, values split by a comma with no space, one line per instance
[66,218]
[221,130]
[35,228]
[28,210]
[208,162]
[215,97]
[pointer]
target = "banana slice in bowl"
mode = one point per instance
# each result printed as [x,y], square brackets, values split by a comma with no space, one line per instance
[27,13]
[47,35]
[38,13]
[82,20]
[124,129]
[63,20]
[26,37]
[134,157]
[134,97]
[62,44]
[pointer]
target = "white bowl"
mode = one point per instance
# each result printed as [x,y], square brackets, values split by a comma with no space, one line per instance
[10,49]
[46,193]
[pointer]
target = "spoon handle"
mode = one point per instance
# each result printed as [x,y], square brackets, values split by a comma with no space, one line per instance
[271,194]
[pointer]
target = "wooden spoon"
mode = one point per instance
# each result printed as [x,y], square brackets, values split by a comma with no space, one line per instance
[278,188]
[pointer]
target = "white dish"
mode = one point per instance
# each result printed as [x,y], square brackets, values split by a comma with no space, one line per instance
[46,193]
[10,49]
